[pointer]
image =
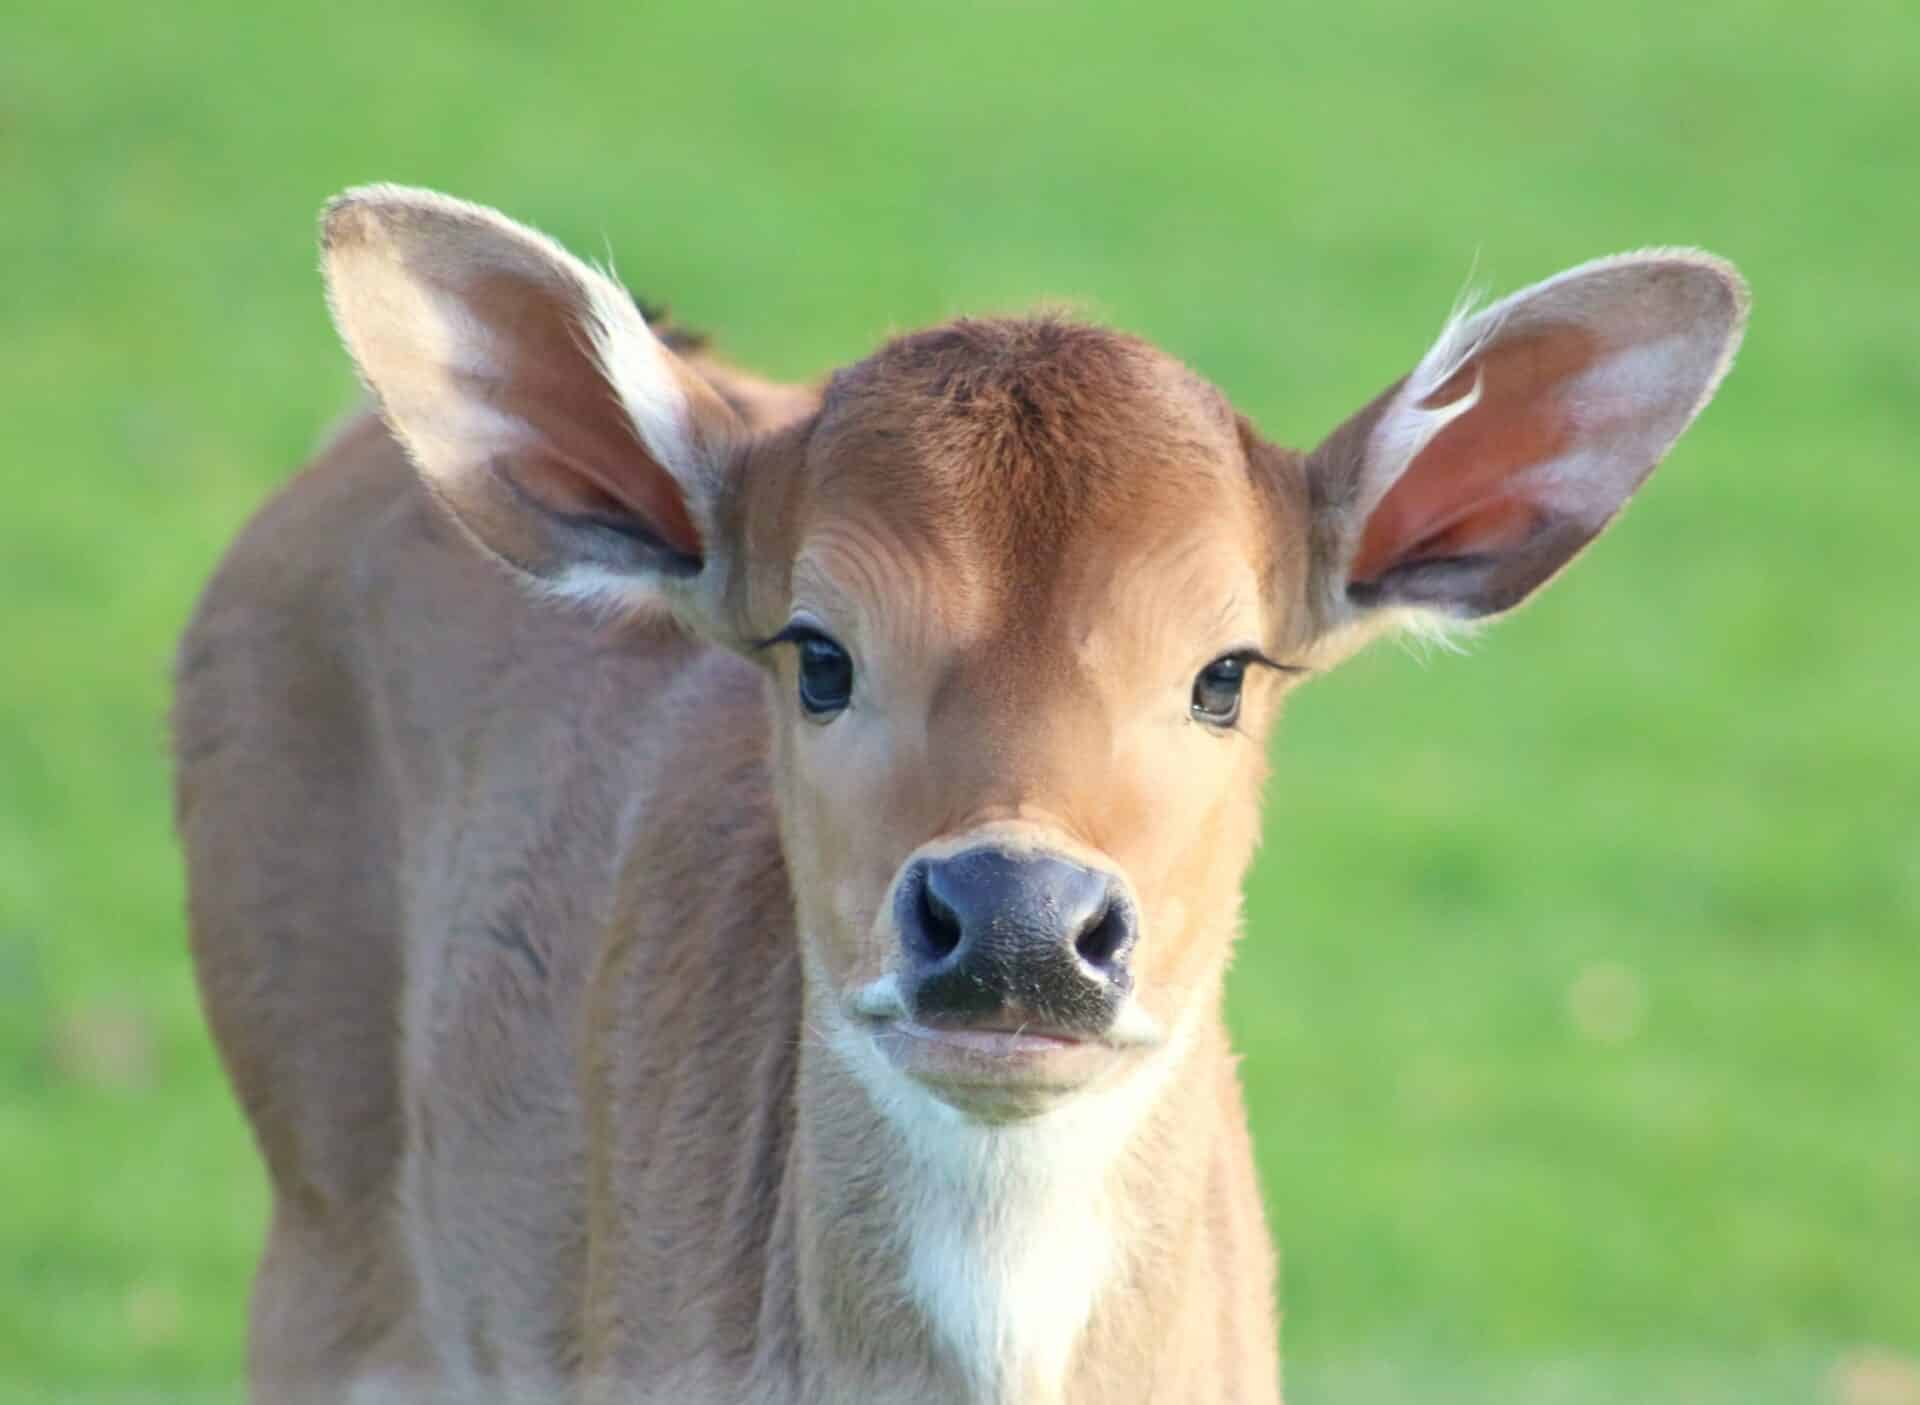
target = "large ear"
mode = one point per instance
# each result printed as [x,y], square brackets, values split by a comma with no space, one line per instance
[533,397]
[1518,437]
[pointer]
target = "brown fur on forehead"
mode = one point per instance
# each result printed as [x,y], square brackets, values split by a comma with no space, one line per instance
[1010,434]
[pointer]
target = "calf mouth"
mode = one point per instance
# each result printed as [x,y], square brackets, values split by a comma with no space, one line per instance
[1001,1064]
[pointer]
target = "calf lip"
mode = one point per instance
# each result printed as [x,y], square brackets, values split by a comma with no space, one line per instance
[1003,1030]
[1011,1039]
[995,1074]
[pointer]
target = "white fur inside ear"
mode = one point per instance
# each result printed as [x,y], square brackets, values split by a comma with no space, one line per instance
[635,364]
[1410,424]
[605,595]
[1468,328]
[1406,427]
[1424,633]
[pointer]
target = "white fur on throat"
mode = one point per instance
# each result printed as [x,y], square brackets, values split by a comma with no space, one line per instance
[1011,1231]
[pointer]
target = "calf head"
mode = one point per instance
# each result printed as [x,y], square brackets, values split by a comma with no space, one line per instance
[1028,593]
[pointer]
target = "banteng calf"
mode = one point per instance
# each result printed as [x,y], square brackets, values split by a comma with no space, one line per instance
[765,943]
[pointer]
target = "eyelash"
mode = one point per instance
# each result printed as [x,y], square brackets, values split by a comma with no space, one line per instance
[814,646]
[1228,720]
[803,633]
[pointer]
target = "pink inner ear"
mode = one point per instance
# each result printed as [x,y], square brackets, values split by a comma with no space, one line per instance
[644,491]
[1466,493]
[657,499]
[547,378]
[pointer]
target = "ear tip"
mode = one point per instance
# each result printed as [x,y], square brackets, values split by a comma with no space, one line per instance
[360,211]
[346,220]
[1736,290]
[1718,287]
[1720,270]
[420,227]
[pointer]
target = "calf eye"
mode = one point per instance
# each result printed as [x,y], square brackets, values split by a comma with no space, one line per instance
[826,674]
[1216,691]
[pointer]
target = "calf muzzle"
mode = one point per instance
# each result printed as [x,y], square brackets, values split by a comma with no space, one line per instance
[994,939]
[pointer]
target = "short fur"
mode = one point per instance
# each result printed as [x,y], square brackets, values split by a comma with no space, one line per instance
[544,946]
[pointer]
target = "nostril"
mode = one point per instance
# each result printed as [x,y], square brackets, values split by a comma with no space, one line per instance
[1102,942]
[937,927]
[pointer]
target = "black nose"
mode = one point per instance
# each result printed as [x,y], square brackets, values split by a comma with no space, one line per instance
[1028,937]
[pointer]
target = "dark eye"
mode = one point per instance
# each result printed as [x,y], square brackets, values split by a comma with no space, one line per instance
[1216,691]
[826,674]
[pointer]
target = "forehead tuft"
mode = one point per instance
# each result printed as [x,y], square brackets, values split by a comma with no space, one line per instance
[1026,424]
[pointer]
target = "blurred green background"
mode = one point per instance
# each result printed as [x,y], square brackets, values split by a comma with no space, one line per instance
[1581,1001]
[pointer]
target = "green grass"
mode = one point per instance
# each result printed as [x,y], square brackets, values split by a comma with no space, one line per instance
[1579,1001]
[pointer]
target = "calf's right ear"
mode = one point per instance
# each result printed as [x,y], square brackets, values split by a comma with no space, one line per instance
[540,408]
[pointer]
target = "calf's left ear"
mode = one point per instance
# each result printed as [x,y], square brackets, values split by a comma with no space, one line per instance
[539,407]
[1466,486]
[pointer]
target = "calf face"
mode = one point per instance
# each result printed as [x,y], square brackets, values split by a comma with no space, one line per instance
[1029,593]
[1033,568]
